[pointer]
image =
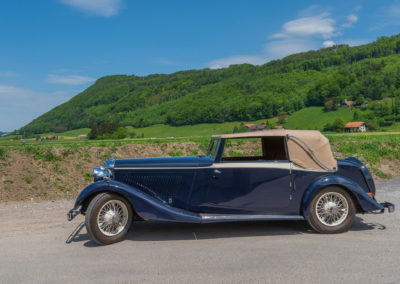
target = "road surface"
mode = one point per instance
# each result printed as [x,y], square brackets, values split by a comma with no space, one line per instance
[38,245]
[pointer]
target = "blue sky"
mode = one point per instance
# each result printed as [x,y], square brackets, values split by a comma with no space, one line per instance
[50,50]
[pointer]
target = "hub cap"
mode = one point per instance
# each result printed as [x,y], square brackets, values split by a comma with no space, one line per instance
[332,209]
[112,218]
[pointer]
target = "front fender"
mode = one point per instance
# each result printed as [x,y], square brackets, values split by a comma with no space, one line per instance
[146,206]
[366,202]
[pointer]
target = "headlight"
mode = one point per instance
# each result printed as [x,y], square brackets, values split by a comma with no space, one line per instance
[100,173]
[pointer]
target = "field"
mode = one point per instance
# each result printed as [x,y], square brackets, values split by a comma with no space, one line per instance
[51,170]
[307,118]
[317,118]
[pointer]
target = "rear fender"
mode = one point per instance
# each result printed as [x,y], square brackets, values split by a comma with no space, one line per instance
[365,202]
[147,207]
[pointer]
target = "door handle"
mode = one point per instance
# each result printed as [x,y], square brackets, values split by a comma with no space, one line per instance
[216,173]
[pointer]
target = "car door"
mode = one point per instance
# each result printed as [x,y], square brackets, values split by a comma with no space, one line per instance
[249,186]
[252,176]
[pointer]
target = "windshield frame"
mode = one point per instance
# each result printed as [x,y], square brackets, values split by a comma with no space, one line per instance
[213,147]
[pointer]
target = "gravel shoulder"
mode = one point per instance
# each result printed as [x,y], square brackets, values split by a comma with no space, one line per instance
[39,245]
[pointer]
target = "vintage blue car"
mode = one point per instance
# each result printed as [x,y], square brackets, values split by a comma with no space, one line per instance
[263,175]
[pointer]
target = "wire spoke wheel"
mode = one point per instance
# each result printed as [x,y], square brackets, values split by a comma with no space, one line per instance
[112,218]
[332,209]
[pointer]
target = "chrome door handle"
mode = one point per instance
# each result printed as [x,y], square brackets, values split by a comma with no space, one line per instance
[216,173]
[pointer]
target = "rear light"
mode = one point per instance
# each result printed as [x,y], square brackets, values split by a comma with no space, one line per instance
[371,194]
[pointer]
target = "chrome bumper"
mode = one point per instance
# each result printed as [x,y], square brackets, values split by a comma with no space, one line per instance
[73,213]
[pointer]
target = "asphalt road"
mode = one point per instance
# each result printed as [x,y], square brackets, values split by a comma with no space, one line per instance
[38,245]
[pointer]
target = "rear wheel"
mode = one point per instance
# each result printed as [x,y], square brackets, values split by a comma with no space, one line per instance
[332,211]
[108,218]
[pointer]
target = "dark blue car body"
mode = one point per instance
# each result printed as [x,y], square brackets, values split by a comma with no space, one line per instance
[207,189]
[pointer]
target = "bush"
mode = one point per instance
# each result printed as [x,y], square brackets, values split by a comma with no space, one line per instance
[3,154]
[338,125]
[121,133]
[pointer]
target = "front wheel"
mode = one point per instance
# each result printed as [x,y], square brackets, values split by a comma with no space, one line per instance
[332,211]
[108,218]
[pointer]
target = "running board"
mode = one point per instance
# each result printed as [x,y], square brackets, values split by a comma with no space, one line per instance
[210,218]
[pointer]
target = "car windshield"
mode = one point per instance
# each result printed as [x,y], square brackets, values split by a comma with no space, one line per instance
[213,148]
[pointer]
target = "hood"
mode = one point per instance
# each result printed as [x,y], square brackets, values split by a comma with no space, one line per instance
[199,161]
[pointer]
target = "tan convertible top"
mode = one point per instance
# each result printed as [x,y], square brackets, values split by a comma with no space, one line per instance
[307,148]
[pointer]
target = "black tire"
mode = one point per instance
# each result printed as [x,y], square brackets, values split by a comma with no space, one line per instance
[320,221]
[92,214]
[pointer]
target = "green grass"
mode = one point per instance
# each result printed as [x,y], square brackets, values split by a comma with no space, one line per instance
[204,129]
[68,134]
[317,118]
[372,148]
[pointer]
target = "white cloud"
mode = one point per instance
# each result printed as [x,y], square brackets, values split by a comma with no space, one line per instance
[19,106]
[7,90]
[237,59]
[313,29]
[351,19]
[69,79]
[104,8]
[319,26]
[328,43]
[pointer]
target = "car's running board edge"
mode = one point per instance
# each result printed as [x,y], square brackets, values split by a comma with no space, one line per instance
[241,217]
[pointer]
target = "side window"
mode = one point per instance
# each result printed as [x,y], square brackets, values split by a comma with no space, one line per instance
[274,148]
[255,149]
[244,149]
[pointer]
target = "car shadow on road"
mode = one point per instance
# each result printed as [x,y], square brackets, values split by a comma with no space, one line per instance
[167,231]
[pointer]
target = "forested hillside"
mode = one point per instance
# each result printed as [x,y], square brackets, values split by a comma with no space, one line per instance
[365,74]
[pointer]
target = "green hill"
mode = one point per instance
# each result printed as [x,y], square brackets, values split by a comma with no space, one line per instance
[324,78]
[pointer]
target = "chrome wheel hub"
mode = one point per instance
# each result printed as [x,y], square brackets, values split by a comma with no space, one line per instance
[112,218]
[332,209]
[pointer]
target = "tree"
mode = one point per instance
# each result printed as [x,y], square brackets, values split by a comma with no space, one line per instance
[338,125]
[94,132]
[282,117]
[121,133]
[330,105]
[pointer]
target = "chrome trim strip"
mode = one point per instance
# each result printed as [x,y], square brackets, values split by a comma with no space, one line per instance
[247,217]
[258,165]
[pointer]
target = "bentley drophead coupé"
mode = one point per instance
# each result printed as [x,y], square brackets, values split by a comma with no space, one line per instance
[264,175]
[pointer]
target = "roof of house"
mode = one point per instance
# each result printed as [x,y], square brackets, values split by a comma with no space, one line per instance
[258,126]
[349,103]
[249,125]
[354,124]
[307,148]
[278,127]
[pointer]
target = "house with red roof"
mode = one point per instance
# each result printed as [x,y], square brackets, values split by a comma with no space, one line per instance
[355,126]
[347,103]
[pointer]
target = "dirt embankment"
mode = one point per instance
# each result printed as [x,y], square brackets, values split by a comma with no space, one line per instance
[60,173]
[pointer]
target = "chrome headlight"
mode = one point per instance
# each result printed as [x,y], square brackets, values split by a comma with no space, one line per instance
[105,173]
[101,173]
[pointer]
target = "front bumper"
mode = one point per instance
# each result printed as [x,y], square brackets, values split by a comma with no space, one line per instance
[73,213]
